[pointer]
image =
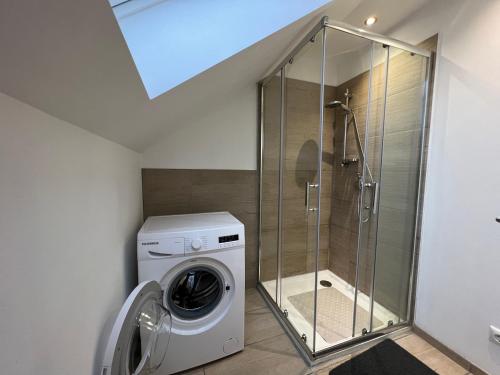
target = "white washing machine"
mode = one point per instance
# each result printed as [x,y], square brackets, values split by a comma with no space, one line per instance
[188,309]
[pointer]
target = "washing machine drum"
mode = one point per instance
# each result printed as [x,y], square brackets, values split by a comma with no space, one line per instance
[195,292]
[140,335]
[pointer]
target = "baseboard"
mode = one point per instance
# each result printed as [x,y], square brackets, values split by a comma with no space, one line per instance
[450,353]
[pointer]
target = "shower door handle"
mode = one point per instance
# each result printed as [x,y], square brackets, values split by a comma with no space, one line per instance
[376,194]
[374,190]
[309,186]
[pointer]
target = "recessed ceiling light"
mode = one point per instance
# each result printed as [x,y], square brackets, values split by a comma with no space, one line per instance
[370,20]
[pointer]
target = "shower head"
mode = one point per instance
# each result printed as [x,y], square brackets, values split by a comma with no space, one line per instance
[333,104]
[338,104]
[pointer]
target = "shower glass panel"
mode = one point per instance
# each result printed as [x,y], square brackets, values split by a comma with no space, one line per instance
[301,187]
[403,131]
[355,72]
[342,121]
[370,110]
[270,182]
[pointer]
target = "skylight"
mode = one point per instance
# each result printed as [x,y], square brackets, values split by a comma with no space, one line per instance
[172,41]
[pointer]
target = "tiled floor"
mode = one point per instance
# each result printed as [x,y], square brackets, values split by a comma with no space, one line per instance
[268,350]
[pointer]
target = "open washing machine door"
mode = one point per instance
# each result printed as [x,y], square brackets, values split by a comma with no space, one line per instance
[141,333]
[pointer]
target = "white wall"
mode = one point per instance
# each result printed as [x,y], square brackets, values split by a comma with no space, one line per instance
[70,206]
[458,293]
[225,138]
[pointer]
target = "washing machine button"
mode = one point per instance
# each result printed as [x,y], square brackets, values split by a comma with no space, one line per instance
[196,244]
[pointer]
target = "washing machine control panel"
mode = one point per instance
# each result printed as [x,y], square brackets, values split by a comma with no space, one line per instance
[184,243]
[213,240]
[228,241]
[195,243]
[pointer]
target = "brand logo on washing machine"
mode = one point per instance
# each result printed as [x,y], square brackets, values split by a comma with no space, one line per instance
[150,243]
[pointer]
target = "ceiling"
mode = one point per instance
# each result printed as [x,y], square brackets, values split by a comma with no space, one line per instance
[69,59]
[389,14]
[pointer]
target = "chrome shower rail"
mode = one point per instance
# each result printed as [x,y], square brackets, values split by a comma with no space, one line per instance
[310,35]
[340,26]
[346,28]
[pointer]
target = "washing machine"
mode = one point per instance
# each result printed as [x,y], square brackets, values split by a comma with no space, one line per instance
[188,309]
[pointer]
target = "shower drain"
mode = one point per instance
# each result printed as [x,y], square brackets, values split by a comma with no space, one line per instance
[325,283]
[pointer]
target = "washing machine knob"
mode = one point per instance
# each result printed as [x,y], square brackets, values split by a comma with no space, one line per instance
[196,244]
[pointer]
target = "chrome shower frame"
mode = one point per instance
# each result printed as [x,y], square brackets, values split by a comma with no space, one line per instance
[371,338]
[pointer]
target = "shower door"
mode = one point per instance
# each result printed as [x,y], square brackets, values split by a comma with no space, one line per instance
[373,202]
[394,128]
[300,250]
[371,112]
[351,184]
[271,103]
[401,151]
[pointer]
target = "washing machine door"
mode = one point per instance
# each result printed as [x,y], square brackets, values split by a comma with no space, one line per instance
[140,335]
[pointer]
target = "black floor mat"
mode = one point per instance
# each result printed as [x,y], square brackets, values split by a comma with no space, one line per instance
[386,358]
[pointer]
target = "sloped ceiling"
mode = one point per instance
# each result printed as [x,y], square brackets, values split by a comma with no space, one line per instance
[69,59]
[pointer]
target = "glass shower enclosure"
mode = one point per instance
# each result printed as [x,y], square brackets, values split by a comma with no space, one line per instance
[342,150]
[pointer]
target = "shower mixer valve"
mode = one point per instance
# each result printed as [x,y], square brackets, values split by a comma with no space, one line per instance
[347,162]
